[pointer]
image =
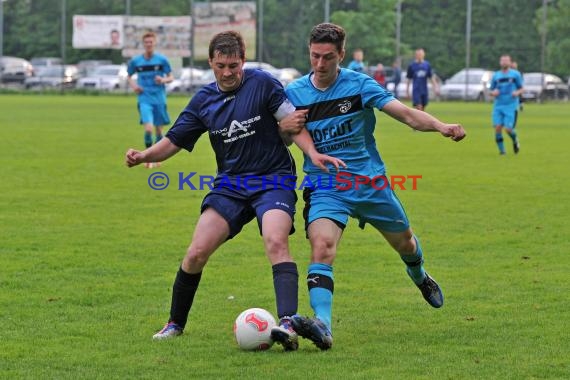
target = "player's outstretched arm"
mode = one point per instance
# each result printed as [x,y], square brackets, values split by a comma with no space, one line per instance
[304,141]
[423,121]
[160,151]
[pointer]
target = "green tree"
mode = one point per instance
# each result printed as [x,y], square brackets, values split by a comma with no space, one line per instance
[558,37]
[370,27]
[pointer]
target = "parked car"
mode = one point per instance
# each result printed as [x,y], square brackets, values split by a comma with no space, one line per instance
[285,76]
[54,77]
[13,69]
[543,86]
[39,63]
[477,87]
[106,77]
[189,80]
[288,75]
[86,67]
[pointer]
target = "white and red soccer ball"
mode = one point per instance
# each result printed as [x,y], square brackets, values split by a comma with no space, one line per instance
[252,329]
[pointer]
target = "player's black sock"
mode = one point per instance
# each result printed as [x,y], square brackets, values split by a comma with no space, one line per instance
[183,291]
[286,284]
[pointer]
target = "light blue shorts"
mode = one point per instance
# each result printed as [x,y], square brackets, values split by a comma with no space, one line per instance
[381,208]
[154,114]
[505,116]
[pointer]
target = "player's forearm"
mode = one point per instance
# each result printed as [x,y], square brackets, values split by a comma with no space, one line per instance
[304,141]
[416,119]
[160,151]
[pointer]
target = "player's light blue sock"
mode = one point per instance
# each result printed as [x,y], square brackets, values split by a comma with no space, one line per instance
[157,138]
[513,135]
[147,139]
[320,282]
[414,264]
[499,140]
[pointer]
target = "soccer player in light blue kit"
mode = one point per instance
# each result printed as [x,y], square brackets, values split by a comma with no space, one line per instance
[506,87]
[340,107]
[153,72]
[240,112]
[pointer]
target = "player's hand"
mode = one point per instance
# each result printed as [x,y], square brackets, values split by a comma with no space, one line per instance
[294,123]
[137,89]
[133,158]
[320,160]
[495,93]
[453,131]
[158,79]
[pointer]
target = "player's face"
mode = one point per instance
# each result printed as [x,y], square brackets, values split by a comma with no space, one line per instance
[505,62]
[228,70]
[420,55]
[325,59]
[149,44]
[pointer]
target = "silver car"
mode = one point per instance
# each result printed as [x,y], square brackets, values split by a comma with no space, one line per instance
[472,86]
[543,86]
[106,78]
[53,77]
[13,69]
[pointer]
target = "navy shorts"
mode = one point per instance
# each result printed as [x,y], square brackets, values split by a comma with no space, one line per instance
[239,207]
[419,98]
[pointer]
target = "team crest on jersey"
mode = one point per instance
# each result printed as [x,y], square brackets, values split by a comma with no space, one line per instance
[345,106]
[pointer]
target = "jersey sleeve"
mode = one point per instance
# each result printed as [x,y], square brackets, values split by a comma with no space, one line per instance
[131,67]
[188,127]
[519,80]
[275,94]
[374,95]
[410,72]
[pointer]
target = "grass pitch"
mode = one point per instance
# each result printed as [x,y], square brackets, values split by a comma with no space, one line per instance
[89,253]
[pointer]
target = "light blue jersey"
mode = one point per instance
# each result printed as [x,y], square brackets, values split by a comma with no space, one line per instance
[147,70]
[506,82]
[341,120]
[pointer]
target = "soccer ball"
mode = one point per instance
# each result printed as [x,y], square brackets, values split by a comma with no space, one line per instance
[252,329]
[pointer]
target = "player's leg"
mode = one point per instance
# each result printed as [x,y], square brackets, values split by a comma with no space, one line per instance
[509,124]
[161,118]
[147,120]
[324,235]
[275,209]
[383,210]
[417,100]
[276,226]
[409,248]
[498,125]
[210,232]
[325,218]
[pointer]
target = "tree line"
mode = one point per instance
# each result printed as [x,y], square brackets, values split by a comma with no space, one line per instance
[32,28]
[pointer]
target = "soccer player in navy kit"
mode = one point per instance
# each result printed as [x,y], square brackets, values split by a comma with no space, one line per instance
[506,87]
[418,73]
[153,72]
[240,113]
[340,104]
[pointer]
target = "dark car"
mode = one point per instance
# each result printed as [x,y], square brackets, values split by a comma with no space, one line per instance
[13,69]
[543,86]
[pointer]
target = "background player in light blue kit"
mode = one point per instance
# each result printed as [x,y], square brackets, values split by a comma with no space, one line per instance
[418,74]
[343,101]
[153,72]
[240,113]
[506,87]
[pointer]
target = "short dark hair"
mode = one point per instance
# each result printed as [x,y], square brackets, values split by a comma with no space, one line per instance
[228,43]
[328,33]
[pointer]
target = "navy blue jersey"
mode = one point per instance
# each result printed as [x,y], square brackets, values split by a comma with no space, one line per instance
[419,72]
[241,124]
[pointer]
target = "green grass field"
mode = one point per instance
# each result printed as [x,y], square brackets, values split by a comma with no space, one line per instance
[88,254]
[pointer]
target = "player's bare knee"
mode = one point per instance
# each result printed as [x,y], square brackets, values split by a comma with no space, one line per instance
[196,257]
[323,249]
[277,248]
